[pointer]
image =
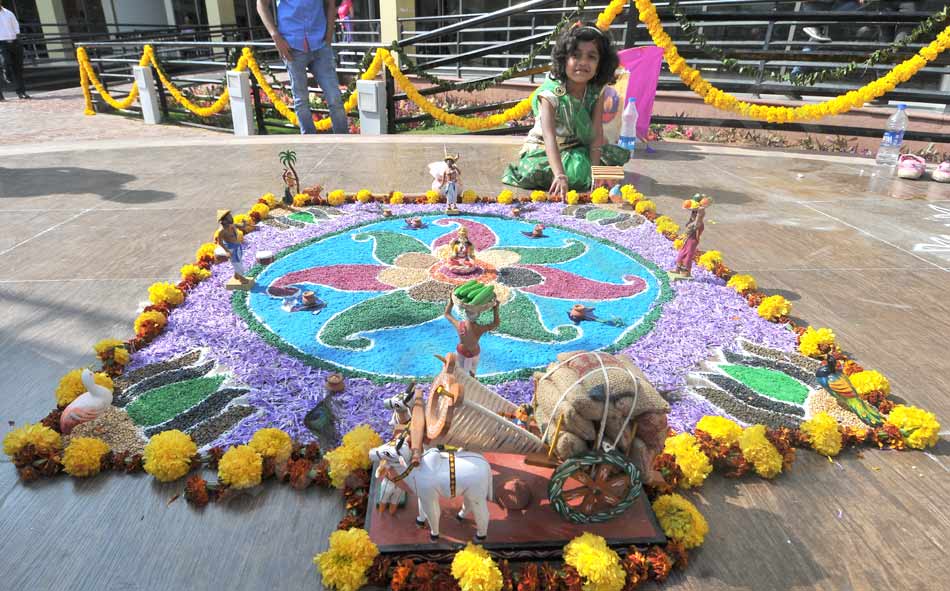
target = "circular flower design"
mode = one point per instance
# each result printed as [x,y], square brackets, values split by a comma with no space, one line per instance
[382,289]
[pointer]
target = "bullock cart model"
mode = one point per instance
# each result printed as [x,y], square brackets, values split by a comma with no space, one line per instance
[590,487]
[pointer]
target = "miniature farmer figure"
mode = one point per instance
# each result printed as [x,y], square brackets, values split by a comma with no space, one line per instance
[290,188]
[694,230]
[469,332]
[231,240]
[461,250]
[447,180]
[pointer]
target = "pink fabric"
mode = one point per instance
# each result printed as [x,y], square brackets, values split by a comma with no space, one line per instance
[345,9]
[643,63]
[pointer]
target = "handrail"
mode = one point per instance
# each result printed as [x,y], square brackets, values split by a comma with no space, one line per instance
[484,18]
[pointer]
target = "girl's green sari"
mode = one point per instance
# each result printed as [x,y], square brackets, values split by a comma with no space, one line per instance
[575,131]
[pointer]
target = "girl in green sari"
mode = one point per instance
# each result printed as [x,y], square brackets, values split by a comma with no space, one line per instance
[568,133]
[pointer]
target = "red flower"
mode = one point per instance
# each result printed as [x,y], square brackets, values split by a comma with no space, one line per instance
[196,491]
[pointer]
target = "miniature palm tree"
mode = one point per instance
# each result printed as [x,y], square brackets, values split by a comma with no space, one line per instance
[288,158]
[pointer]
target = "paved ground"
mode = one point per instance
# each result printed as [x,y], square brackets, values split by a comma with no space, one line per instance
[88,226]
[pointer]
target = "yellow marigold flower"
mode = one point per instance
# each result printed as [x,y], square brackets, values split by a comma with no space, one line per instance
[595,562]
[336,198]
[397,198]
[152,316]
[364,438]
[920,428]
[760,452]
[205,251]
[241,467]
[505,197]
[121,355]
[690,458]
[353,454]
[681,520]
[630,193]
[269,200]
[811,339]
[242,220]
[168,455]
[301,199]
[774,307]
[666,225]
[106,345]
[823,433]
[364,195]
[678,243]
[710,259]
[572,197]
[83,456]
[645,205]
[474,570]
[600,195]
[868,381]
[194,271]
[345,563]
[469,196]
[272,443]
[39,436]
[539,196]
[433,196]
[69,388]
[261,210]
[742,283]
[721,429]
[165,293]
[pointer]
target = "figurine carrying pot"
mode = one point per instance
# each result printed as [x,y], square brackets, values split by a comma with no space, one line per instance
[447,180]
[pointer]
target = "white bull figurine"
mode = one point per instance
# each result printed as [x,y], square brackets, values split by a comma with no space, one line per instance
[432,479]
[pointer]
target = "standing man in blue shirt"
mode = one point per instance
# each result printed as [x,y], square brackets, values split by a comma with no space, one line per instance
[302,33]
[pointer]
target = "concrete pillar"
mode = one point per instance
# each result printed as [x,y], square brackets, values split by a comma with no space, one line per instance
[372,106]
[220,12]
[389,12]
[148,96]
[242,103]
[170,13]
[53,16]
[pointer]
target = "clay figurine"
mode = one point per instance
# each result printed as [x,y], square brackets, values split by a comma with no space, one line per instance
[433,478]
[231,239]
[469,333]
[579,313]
[461,250]
[89,405]
[414,224]
[288,158]
[304,302]
[694,230]
[537,232]
[839,386]
[447,180]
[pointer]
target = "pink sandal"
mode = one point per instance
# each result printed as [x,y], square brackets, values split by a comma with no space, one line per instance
[910,166]
[941,174]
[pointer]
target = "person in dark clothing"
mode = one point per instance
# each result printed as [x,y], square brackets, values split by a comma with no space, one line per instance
[11,53]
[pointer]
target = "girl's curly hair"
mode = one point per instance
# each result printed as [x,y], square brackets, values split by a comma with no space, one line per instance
[567,43]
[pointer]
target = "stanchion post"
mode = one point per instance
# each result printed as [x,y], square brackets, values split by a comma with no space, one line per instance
[242,107]
[148,97]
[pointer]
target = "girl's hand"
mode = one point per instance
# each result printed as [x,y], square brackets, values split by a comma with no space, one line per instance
[559,186]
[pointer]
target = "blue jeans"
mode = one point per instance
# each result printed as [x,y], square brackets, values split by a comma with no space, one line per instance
[322,65]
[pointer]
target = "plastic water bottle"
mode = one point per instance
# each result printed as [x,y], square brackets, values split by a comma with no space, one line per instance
[628,126]
[890,149]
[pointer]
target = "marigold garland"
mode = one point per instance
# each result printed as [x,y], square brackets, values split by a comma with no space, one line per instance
[364,195]
[301,200]
[168,455]
[272,443]
[721,429]
[823,434]
[433,197]
[194,273]
[269,200]
[710,259]
[920,427]
[774,308]
[689,458]
[725,101]
[595,562]
[83,456]
[41,437]
[474,570]
[645,206]
[397,198]
[599,196]
[539,196]
[336,198]
[810,342]
[572,197]
[205,252]
[681,520]
[666,226]
[345,563]
[241,467]
[759,451]
[149,323]
[742,283]
[261,210]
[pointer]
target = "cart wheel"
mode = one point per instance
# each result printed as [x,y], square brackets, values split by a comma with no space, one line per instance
[594,487]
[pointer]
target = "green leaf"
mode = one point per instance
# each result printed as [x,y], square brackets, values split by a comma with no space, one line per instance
[768,382]
[166,402]
[389,245]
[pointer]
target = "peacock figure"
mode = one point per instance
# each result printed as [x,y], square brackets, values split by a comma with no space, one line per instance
[839,386]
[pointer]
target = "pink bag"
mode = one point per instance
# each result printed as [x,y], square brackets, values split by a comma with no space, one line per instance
[644,64]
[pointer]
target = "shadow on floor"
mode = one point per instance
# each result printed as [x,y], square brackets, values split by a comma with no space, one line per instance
[71,180]
[649,186]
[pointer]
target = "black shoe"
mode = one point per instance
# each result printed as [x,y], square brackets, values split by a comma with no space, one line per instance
[1,98]
[24,95]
